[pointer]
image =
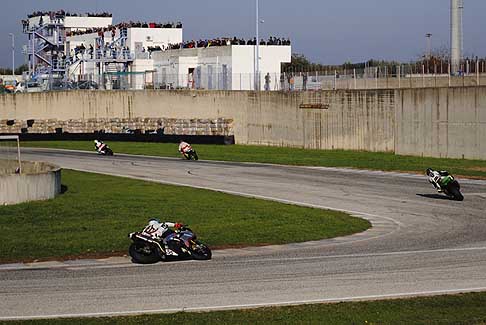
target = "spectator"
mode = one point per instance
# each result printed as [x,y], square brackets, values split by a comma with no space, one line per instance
[267,81]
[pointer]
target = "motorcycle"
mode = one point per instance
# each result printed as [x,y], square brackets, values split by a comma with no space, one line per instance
[104,150]
[450,186]
[191,155]
[179,244]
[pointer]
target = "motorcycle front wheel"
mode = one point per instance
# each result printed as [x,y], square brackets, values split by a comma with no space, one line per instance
[142,253]
[199,251]
[456,194]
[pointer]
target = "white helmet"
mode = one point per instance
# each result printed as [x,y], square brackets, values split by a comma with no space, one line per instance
[154,221]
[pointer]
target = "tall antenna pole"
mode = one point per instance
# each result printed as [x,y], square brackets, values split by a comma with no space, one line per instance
[457,8]
[13,53]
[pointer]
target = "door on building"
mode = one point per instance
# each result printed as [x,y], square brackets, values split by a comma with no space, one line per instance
[198,78]
[190,78]
[225,76]
[138,49]
[163,78]
[210,77]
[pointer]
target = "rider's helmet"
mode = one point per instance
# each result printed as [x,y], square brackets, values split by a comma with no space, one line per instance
[154,221]
[429,172]
[96,142]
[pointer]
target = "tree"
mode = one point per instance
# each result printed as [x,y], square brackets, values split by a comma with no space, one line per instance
[21,69]
[18,71]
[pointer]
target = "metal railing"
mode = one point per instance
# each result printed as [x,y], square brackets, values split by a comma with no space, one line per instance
[369,78]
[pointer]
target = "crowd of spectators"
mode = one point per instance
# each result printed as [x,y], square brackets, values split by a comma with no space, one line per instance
[138,24]
[221,42]
[121,26]
[62,13]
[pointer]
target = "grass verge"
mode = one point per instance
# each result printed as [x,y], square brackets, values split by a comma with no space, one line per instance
[97,212]
[289,156]
[457,309]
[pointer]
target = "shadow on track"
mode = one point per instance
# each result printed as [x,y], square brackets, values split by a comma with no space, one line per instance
[435,196]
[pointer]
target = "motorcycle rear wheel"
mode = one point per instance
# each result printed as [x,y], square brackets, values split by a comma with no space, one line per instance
[142,253]
[201,252]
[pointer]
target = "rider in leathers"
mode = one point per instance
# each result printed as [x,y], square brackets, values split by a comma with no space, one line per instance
[435,178]
[184,147]
[160,230]
[100,146]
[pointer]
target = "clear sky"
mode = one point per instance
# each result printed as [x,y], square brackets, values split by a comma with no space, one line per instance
[328,32]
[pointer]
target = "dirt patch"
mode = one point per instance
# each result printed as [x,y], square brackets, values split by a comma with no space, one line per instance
[87,256]
[478,168]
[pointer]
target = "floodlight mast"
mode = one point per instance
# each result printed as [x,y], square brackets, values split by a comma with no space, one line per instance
[257,63]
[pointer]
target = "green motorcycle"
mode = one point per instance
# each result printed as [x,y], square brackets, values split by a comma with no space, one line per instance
[447,183]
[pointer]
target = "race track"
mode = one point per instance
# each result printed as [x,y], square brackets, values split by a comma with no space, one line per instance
[420,244]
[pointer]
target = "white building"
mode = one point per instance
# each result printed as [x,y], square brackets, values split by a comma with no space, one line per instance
[136,40]
[74,23]
[91,48]
[230,67]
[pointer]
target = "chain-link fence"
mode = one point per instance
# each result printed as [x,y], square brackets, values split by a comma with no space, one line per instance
[381,77]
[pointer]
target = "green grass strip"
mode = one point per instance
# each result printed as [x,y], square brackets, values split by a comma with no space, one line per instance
[457,309]
[96,213]
[289,156]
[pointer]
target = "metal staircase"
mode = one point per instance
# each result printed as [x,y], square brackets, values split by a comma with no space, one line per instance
[46,46]
[48,58]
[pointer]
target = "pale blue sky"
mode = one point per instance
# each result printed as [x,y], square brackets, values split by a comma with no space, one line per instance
[328,32]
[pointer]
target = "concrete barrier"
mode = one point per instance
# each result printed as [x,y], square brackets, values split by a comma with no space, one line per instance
[441,122]
[361,120]
[38,181]
[438,122]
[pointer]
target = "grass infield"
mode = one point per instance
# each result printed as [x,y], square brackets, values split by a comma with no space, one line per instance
[289,156]
[96,213]
[457,309]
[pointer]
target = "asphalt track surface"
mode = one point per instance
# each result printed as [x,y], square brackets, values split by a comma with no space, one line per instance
[420,244]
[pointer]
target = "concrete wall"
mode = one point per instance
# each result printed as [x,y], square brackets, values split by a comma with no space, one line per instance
[441,122]
[354,119]
[347,82]
[38,181]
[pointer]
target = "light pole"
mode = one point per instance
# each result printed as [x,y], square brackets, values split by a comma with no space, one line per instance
[257,63]
[13,53]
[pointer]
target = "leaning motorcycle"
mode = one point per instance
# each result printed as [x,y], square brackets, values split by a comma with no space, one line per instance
[105,150]
[191,155]
[450,186]
[179,244]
